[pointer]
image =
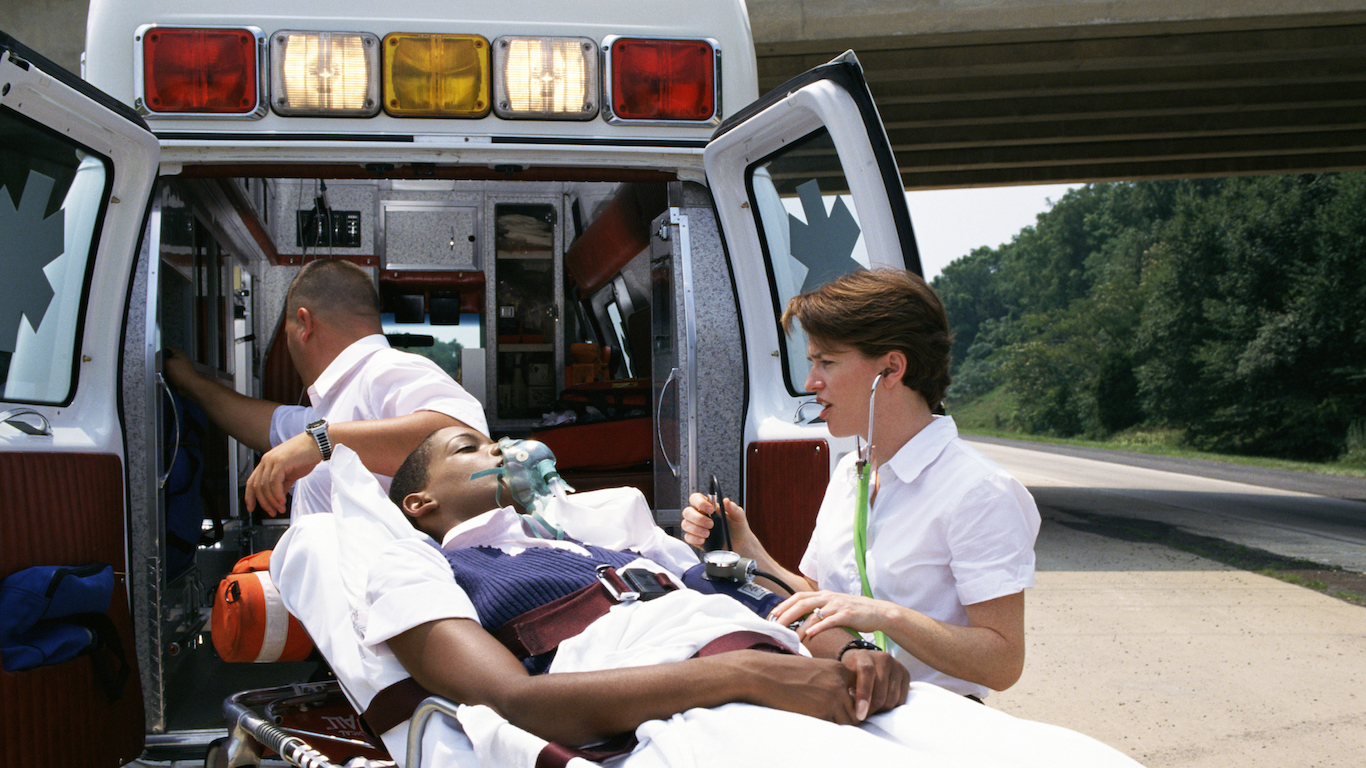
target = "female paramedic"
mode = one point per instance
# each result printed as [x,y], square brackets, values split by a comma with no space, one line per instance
[920,540]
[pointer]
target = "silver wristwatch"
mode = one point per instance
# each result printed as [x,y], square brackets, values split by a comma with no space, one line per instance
[318,429]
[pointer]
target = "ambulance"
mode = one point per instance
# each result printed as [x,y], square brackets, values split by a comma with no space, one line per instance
[584,211]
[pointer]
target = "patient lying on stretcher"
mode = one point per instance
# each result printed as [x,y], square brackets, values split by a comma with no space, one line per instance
[635,667]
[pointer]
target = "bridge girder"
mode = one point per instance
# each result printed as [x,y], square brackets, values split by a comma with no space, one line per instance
[1107,101]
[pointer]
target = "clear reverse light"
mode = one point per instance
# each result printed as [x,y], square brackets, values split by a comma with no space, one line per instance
[553,78]
[324,73]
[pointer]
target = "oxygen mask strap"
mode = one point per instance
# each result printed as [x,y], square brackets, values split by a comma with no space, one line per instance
[498,492]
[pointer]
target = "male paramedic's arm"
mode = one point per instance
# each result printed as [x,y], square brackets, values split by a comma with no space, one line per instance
[245,418]
[458,659]
[988,651]
[697,524]
[382,444]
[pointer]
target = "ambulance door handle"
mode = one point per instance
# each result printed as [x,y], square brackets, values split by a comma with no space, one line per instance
[28,421]
[659,430]
[175,417]
[797,417]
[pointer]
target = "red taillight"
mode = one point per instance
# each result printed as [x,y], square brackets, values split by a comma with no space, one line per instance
[663,79]
[200,70]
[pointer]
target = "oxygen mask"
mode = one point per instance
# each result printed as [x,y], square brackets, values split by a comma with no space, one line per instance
[528,472]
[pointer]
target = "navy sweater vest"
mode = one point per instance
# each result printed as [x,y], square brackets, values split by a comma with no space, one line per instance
[503,587]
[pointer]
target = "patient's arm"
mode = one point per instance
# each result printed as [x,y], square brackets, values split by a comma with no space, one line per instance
[458,659]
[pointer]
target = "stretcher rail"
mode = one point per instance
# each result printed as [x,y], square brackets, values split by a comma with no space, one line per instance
[430,706]
[250,734]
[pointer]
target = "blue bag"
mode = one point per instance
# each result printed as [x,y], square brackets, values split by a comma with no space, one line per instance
[45,610]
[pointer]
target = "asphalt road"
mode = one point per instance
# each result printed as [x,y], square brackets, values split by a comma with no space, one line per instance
[1320,518]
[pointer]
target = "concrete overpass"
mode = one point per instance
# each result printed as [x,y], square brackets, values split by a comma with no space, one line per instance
[1001,92]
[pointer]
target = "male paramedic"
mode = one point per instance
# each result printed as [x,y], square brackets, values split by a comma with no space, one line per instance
[642,666]
[378,401]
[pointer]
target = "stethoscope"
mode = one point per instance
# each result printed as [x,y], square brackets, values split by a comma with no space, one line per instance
[865,473]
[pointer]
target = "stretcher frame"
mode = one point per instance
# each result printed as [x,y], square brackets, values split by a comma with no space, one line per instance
[252,734]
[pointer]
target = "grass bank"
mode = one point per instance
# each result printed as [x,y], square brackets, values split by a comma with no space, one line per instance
[991,413]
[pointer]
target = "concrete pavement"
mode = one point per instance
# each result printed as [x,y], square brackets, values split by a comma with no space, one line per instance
[1181,661]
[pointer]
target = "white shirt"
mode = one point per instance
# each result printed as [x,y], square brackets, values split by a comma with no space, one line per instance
[948,528]
[370,380]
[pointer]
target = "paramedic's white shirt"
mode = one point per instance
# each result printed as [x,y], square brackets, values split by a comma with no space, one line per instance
[949,528]
[370,380]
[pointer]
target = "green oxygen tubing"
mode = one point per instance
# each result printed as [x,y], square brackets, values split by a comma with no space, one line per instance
[864,472]
[528,471]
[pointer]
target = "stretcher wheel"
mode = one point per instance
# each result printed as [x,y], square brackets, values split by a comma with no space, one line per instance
[216,756]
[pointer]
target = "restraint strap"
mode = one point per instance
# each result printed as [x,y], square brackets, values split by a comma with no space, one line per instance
[393,705]
[555,755]
[542,629]
[741,641]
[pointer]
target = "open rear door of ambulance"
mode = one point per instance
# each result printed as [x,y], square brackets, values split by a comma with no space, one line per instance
[806,189]
[76,170]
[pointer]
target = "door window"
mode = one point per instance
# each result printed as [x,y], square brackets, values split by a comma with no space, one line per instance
[808,227]
[54,196]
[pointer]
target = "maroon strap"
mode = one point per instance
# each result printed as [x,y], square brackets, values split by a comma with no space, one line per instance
[741,641]
[393,705]
[543,629]
[554,755]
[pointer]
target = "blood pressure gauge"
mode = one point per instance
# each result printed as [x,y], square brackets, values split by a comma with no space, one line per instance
[723,564]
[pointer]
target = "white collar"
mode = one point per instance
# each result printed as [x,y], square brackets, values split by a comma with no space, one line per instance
[350,358]
[922,449]
[492,526]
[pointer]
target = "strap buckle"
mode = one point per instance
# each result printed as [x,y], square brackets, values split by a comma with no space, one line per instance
[617,588]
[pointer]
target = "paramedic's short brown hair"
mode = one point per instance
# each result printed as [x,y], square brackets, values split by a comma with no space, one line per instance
[876,312]
[335,289]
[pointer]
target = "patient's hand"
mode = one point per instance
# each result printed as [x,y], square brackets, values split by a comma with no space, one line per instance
[881,681]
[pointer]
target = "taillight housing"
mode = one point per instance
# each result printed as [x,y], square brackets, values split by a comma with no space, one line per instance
[324,74]
[662,81]
[436,75]
[196,71]
[546,78]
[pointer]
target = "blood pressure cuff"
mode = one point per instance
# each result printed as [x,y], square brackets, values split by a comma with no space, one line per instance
[50,614]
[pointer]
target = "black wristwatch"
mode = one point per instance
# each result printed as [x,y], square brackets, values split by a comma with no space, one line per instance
[857,644]
[318,429]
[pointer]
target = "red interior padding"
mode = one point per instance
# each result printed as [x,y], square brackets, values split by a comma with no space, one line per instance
[600,445]
[280,383]
[787,480]
[615,237]
[67,509]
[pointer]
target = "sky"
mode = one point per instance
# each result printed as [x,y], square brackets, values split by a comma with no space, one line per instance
[951,223]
